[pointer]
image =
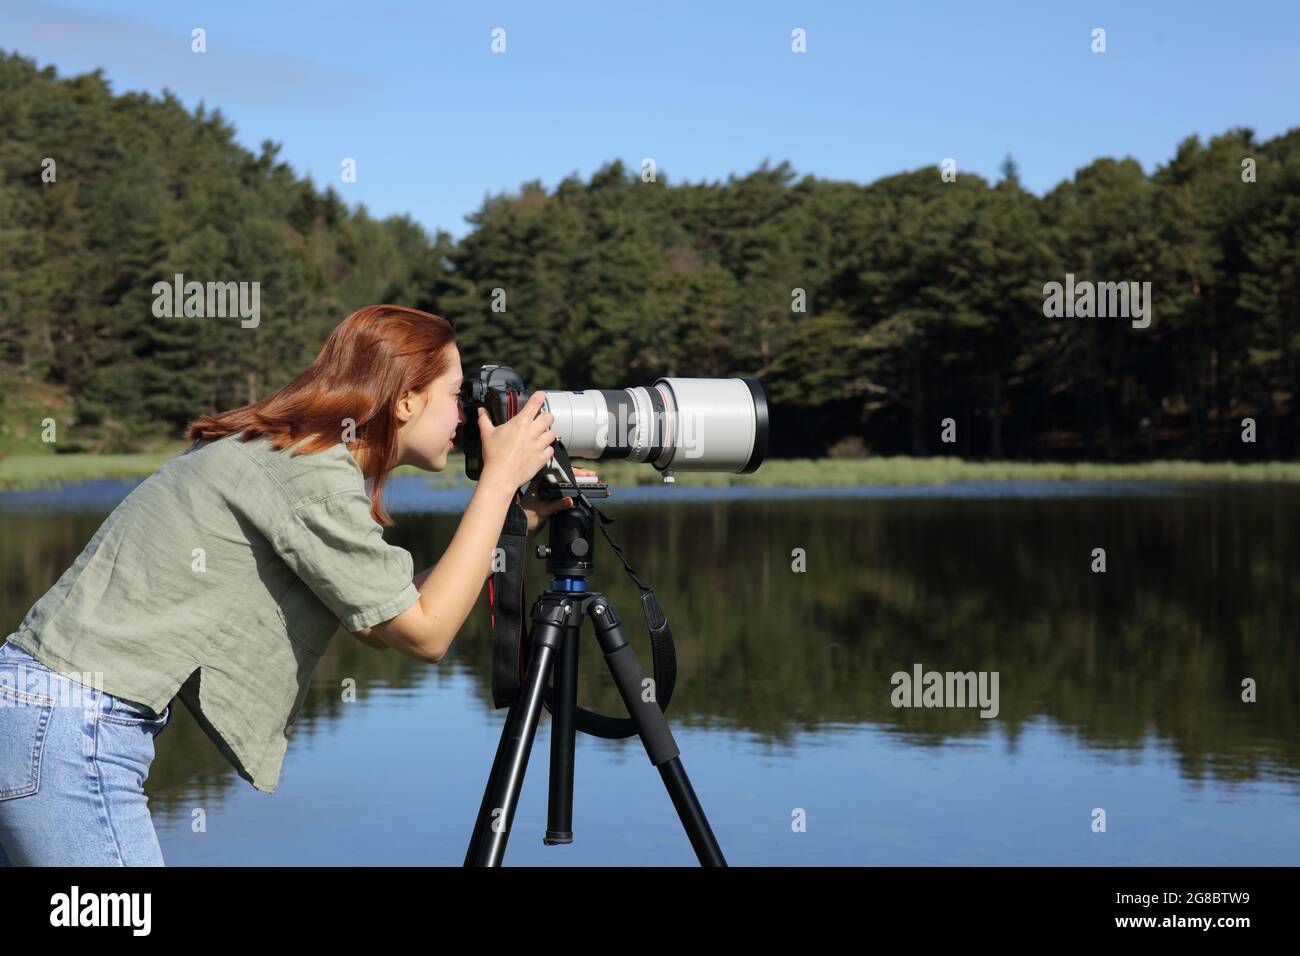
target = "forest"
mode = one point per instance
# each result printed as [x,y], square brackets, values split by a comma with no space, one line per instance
[881,318]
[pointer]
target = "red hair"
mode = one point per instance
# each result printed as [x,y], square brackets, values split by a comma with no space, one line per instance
[374,357]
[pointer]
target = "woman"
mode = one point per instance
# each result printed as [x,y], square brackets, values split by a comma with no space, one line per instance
[223,577]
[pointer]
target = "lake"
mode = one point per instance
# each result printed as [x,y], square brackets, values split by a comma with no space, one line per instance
[1118,691]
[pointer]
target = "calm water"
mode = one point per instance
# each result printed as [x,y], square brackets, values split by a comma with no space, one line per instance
[1119,690]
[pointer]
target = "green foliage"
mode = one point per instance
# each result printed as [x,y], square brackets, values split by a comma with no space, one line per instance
[921,299]
[145,190]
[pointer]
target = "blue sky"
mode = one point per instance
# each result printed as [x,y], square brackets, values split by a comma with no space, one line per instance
[436,121]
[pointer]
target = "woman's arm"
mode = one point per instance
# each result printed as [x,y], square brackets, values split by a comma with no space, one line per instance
[449,589]
[512,454]
[537,512]
[366,637]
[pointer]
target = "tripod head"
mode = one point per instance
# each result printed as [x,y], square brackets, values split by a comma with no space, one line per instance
[570,551]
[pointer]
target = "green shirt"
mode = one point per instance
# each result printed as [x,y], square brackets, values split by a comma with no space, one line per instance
[224,577]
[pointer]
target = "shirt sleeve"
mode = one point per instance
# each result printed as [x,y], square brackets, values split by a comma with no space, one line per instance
[339,551]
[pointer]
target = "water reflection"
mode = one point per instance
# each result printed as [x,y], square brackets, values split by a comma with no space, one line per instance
[1134,669]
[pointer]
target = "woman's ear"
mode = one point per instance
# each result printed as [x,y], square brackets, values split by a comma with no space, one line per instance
[407,406]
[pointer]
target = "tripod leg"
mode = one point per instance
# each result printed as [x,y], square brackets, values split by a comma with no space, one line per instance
[484,808]
[564,702]
[497,812]
[652,727]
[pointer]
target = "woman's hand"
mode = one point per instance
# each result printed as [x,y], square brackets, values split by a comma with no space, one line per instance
[538,510]
[518,449]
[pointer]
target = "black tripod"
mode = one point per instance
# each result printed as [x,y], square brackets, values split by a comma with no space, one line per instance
[556,627]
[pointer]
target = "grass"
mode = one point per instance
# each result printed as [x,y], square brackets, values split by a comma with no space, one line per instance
[23,471]
[28,471]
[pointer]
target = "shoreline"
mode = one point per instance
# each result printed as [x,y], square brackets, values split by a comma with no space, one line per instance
[35,472]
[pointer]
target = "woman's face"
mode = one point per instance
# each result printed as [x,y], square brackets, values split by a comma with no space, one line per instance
[426,436]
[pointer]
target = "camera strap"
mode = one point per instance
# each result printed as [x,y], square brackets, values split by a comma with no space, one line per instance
[510,634]
[505,607]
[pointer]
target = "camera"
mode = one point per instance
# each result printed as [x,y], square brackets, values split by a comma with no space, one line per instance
[673,424]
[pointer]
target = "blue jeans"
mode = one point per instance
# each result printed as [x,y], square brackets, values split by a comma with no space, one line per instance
[73,762]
